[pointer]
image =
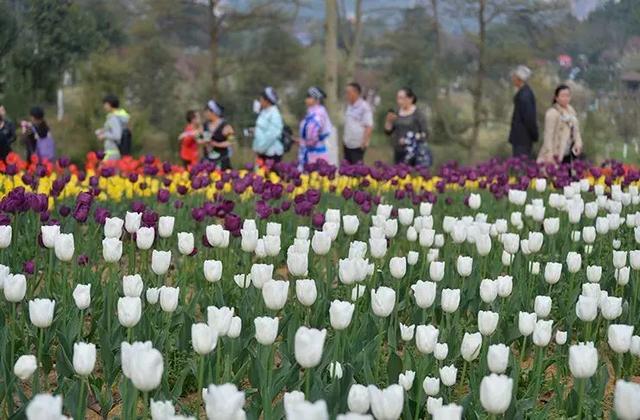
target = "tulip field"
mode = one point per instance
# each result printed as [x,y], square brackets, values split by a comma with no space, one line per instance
[146,290]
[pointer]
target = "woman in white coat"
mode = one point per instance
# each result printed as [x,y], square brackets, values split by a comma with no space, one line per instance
[562,139]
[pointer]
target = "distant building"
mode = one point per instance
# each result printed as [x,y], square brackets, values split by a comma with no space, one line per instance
[631,80]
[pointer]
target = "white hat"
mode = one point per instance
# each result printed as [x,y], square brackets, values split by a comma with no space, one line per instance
[522,72]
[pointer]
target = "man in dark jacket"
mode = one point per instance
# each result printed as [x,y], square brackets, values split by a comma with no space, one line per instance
[7,134]
[524,124]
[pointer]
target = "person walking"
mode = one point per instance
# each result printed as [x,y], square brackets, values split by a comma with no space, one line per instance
[189,150]
[524,124]
[218,136]
[315,129]
[407,129]
[115,130]
[267,143]
[37,137]
[7,134]
[562,139]
[358,124]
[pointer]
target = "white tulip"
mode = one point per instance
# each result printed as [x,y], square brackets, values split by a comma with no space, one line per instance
[186,243]
[407,332]
[203,338]
[220,319]
[398,267]
[212,270]
[440,351]
[424,293]
[25,366]
[165,226]
[488,290]
[41,312]
[561,337]
[505,286]
[169,297]
[132,285]
[622,276]
[160,262]
[266,330]
[113,227]
[274,294]
[358,398]
[382,301]
[471,345]
[350,224]
[619,337]
[542,306]
[308,346]
[321,243]
[406,379]
[426,338]
[84,358]
[626,400]
[498,358]
[49,234]
[132,222]
[82,296]
[111,249]
[552,272]
[386,404]
[495,393]
[448,375]
[129,311]
[306,291]
[587,308]
[145,237]
[450,300]
[542,333]
[583,360]
[487,322]
[64,246]
[340,314]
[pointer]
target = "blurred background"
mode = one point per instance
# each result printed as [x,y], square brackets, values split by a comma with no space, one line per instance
[163,57]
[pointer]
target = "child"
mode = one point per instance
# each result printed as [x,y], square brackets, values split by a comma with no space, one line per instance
[37,136]
[188,139]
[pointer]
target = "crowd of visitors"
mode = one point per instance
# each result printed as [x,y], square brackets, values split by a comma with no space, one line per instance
[208,136]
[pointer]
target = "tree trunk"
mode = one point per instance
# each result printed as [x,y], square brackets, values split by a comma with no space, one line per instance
[354,52]
[436,50]
[479,85]
[331,57]
[213,47]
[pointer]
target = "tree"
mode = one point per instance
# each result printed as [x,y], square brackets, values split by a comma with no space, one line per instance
[331,56]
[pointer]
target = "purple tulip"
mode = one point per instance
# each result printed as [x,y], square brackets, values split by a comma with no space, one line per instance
[29,267]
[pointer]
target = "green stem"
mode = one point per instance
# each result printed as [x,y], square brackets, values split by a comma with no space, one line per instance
[523,351]
[307,385]
[219,368]
[581,384]
[82,401]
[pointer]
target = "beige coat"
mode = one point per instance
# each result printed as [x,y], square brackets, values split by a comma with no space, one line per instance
[559,123]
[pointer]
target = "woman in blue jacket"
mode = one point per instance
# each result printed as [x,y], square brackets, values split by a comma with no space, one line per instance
[267,143]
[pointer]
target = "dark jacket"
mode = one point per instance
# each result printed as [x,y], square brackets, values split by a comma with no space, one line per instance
[524,124]
[7,136]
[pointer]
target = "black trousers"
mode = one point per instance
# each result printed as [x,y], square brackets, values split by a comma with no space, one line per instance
[354,155]
[522,149]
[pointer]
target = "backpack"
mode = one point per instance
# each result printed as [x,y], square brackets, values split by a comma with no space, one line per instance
[286,138]
[126,141]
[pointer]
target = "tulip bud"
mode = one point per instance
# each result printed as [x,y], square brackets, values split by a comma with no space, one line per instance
[212,270]
[498,358]
[611,307]
[15,287]
[488,290]
[542,306]
[505,286]
[224,402]
[449,300]
[220,319]
[203,338]
[406,379]
[587,308]
[495,393]
[145,365]
[622,276]
[433,404]
[84,358]
[153,295]
[506,259]
[145,237]
[49,235]
[436,270]
[111,249]
[487,322]
[169,298]
[25,366]
[306,291]
[626,400]
[266,330]
[113,227]
[424,293]
[583,360]
[358,398]
[382,301]
[471,345]
[41,312]
[261,274]
[186,243]
[297,263]
[619,259]
[407,332]
[412,258]
[162,410]
[82,296]
[440,351]
[64,246]
[431,385]
[464,265]
[165,226]
[335,370]
[235,327]
[448,375]
[132,285]
[340,314]
[308,346]
[45,406]
[426,338]
[619,337]
[542,332]
[132,222]
[160,262]
[561,337]
[398,267]
[350,224]
[321,243]
[129,311]
[274,293]
[386,403]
